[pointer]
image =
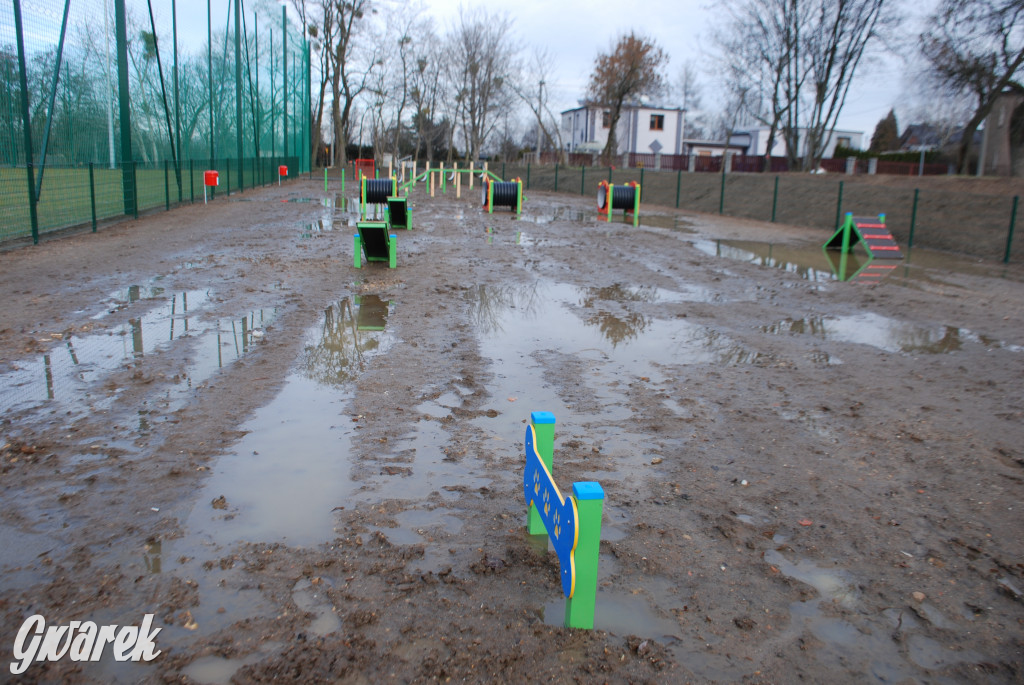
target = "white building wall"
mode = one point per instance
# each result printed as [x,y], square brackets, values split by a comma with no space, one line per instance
[633,132]
[759,142]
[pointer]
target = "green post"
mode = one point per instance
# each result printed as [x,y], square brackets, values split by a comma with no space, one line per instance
[503,171]
[167,187]
[392,251]
[357,259]
[135,189]
[325,179]
[556,177]
[527,175]
[609,174]
[343,182]
[847,229]
[775,198]
[544,426]
[27,123]
[642,176]
[579,609]
[1009,235]
[238,93]
[913,219]
[519,197]
[721,192]
[583,179]
[679,184]
[839,207]
[92,196]
[192,180]
[490,198]
[227,165]
[131,204]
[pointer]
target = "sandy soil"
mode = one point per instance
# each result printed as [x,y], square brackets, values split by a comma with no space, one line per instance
[312,473]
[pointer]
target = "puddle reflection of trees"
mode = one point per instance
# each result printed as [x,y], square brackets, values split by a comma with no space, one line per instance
[352,331]
[492,302]
[617,329]
[876,331]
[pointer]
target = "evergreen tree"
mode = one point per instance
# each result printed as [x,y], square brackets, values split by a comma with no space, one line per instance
[887,134]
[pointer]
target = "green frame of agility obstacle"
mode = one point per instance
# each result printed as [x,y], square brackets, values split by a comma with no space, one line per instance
[573,523]
[846,238]
[391,259]
[610,201]
[399,203]
[519,194]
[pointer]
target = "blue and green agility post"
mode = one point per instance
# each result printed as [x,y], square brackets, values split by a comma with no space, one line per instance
[572,523]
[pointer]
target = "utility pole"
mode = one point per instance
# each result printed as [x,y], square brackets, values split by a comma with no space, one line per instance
[540,110]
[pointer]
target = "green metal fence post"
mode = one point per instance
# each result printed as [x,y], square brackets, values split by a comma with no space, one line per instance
[556,177]
[191,181]
[721,191]
[913,219]
[167,187]
[641,178]
[775,198]
[135,189]
[27,123]
[92,196]
[1009,235]
[609,174]
[238,92]
[527,175]
[227,166]
[130,190]
[325,179]
[839,205]
[679,184]
[503,171]
[583,179]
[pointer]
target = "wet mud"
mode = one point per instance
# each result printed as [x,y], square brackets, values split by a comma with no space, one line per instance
[310,472]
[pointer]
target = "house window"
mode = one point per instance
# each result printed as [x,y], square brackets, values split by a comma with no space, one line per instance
[843,141]
[657,122]
[606,119]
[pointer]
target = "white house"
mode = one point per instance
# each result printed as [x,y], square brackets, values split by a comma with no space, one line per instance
[758,145]
[642,128]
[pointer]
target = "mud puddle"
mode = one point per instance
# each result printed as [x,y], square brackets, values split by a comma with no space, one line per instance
[887,334]
[275,486]
[70,365]
[875,648]
[811,263]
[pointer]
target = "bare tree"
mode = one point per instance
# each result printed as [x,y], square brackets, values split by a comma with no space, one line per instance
[530,89]
[632,68]
[975,47]
[484,59]
[350,63]
[796,60]
[757,46]
[426,89]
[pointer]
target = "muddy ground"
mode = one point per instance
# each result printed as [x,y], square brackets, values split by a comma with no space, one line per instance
[312,473]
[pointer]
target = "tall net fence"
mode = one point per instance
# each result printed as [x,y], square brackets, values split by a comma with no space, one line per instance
[112,107]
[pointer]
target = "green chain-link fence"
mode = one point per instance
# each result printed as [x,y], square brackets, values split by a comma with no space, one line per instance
[940,216]
[112,107]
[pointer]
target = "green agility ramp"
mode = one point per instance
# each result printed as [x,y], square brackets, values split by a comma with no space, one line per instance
[375,242]
[878,242]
